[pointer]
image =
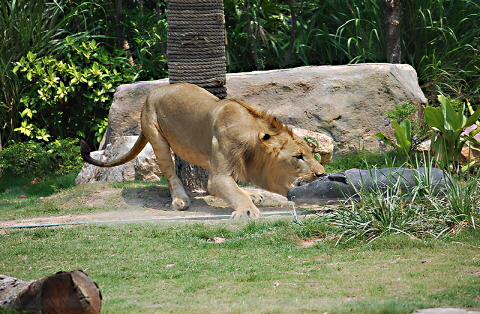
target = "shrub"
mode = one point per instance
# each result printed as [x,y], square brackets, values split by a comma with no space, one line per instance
[41,159]
[449,125]
[70,96]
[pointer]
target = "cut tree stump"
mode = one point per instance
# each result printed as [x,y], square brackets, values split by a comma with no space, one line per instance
[64,292]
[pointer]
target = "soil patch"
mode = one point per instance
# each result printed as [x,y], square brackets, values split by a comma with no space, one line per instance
[109,203]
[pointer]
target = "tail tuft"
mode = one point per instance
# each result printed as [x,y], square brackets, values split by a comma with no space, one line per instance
[85,150]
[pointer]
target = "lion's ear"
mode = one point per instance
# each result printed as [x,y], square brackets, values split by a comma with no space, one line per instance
[265,136]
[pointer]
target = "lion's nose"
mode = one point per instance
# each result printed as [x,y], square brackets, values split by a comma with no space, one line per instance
[319,175]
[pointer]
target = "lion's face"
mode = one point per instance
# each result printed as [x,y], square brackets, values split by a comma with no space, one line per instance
[285,161]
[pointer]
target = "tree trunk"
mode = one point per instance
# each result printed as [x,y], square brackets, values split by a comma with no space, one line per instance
[251,37]
[61,293]
[393,31]
[196,55]
[293,34]
[118,27]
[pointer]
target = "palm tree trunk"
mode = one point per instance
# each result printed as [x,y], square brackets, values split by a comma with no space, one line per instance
[196,55]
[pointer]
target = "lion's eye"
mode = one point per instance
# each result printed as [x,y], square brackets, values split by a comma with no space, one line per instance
[299,157]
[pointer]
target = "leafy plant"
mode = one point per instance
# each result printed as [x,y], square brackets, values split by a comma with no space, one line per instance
[403,143]
[313,143]
[418,212]
[26,26]
[448,140]
[35,159]
[462,203]
[70,97]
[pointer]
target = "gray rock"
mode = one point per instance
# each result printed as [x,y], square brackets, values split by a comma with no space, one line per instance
[124,114]
[348,102]
[143,167]
[331,188]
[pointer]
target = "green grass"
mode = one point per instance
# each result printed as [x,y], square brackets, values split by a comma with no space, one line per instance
[58,196]
[363,160]
[174,268]
[262,267]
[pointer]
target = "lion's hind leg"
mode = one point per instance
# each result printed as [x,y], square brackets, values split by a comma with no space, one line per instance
[180,199]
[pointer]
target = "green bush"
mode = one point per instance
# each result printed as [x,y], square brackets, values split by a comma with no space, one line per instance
[70,96]
[449,125]
[35,159]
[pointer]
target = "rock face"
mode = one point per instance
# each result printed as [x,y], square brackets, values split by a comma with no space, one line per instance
[322,146]
[124,114]
[143,167]
[346,103]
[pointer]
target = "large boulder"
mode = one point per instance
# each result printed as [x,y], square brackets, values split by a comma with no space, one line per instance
[345,103]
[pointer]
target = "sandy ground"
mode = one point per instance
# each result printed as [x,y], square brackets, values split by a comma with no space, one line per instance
[145,203]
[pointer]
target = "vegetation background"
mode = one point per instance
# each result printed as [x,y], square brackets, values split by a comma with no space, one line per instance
[60,61]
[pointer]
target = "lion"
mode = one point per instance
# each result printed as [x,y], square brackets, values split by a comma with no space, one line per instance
[230,138]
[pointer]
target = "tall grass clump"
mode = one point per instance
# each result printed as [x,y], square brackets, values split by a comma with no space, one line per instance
[461,203]
[422,211]
[441,40]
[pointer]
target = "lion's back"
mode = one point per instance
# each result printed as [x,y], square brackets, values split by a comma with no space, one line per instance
[185,115]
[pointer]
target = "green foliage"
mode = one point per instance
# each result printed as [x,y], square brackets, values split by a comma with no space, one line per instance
[70,96]
[420,212]
[33,159]
[313,143]
[363,160]
[403,143]
[26,26]
[440,40]
[448,140]
[146,30]
[462,202]
[402,112]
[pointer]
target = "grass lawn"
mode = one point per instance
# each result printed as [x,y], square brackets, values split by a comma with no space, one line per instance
[262,267]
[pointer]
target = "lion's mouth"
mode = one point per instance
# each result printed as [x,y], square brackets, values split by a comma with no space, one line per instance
[301,181]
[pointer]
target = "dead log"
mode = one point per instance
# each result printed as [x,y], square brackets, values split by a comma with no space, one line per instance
[64,292]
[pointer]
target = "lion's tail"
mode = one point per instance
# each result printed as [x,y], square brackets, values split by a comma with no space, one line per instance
[134,151]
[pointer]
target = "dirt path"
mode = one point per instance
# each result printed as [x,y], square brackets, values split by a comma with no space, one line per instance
[140,203]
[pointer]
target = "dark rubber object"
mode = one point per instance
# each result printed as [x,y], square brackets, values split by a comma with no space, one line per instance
[332,188]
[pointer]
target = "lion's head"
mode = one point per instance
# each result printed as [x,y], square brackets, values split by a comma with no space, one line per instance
[271,156]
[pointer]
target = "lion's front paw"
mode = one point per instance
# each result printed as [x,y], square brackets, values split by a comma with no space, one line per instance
[180,204]
[244,214]
[256,197]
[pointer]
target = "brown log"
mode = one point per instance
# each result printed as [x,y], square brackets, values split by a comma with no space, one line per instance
[64,292]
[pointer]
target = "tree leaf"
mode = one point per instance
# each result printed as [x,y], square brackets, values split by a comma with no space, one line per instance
[434,118]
